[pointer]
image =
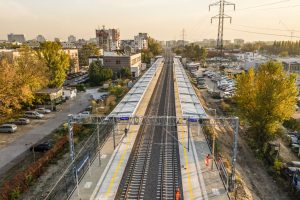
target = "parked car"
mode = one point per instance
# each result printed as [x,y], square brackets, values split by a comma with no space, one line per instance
[33,115]
[22,121]
[82,115]
[202,86]
[8,128]
[43,110]
[293,139]
[43,147]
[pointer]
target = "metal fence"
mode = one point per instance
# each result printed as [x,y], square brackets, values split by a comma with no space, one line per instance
[75,170]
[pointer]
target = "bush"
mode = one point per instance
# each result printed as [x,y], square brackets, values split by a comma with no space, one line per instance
[277,166]
[13,188]
[292,124]
[80,88]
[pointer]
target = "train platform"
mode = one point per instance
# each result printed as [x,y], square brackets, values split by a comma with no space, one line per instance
[199,181]
[102,181]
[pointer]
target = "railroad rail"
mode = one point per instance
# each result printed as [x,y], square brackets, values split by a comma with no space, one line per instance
[152,171]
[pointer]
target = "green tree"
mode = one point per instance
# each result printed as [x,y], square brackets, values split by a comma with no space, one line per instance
[265,99]
[85,52]
[203,55]
[118,90]
[98,74]
[57,62]
[154,49]
[125,72]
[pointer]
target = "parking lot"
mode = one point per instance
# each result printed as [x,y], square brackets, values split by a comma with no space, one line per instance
[15,145]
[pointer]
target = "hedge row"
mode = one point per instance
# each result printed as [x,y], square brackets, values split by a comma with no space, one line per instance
[13,188]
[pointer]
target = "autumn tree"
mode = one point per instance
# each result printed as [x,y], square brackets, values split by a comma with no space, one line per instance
[265,98]
[85,52]
[57,62]
[21,79]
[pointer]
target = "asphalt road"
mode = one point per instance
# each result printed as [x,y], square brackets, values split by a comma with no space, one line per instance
[13,153]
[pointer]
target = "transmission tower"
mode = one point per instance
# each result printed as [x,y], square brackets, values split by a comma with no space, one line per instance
[221,16]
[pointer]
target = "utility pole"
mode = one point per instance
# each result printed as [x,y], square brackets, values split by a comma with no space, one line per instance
[221,16]
[288,29]
[183,36]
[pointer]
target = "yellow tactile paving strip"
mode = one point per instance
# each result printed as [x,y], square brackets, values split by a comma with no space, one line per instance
[190,184]
[115,179]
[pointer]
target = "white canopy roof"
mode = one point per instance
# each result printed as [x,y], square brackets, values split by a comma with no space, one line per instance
[129,104]
[190,104]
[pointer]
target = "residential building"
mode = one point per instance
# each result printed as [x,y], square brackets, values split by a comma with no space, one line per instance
[33,43]
[141,41]
[40,38]
[182,43]
[10,54]
[238,42]
[128,46]
[226,42]
[92,41]
[71,39]
[68,45]
[80,42]
[208,43]
[117,61]
[171,43]
[291,64]
[16,38]
[108,39]
[73,54]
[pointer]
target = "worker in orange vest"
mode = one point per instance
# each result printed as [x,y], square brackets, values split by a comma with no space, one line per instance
[177,194]
[207,160]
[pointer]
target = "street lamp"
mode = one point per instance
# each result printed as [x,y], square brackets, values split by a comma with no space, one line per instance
[214,111]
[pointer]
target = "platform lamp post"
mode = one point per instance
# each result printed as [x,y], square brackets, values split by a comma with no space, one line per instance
[213,138]
[233,166]
[72,149]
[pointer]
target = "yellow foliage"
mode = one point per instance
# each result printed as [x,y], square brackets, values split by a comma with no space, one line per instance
[266,98]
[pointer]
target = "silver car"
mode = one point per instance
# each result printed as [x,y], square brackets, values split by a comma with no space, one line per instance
[8,128]
[22,121]
[34,115]
[43,110]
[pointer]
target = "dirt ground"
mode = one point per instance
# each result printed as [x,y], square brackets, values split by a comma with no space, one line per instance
[254,183]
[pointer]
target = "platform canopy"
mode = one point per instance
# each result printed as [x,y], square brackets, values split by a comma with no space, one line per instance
[190,104]
[129,104]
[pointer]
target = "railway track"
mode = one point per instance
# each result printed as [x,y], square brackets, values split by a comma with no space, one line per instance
[152,171]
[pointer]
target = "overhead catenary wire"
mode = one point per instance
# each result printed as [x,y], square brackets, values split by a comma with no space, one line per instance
[260,33]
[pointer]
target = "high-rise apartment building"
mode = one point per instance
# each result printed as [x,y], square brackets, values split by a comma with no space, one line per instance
[141,41]
[108,39]
[16,38]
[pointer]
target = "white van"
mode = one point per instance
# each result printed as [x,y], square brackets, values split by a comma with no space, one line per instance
[8,128]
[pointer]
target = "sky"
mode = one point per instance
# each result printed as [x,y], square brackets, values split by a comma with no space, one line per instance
[163,19]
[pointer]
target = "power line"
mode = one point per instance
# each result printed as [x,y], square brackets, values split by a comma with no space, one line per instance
[274,29]
[260,33]
[263,5]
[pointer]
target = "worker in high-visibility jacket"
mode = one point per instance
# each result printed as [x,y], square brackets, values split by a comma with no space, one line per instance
[207,160]
[177,194]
